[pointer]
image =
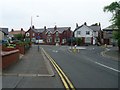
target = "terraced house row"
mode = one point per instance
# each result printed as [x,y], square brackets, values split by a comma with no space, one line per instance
[92,34]
[50,36]
[61,35]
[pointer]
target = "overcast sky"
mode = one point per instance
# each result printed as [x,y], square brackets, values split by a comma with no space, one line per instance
[17,14]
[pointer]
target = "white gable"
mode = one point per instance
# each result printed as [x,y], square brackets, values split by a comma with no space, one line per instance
[83,30]
[48,31]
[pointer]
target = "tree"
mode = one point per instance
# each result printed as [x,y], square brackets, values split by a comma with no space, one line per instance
[78,41]
[71,41]
[18,36]
[114,8]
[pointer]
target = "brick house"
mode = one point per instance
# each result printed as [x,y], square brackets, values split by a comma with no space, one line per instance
[14,32]
[35,35]
[57,35]
[49,36]
[108,35]
[89,34]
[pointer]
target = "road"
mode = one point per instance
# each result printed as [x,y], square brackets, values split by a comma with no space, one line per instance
[86,68]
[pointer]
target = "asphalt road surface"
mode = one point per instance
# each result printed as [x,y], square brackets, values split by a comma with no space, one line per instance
[86,68]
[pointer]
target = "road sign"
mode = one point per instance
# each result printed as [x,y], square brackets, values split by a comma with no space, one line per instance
[38,37]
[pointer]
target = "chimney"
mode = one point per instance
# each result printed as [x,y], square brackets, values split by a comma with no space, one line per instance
[55,28]
[69,28]
[33,27]
[99,24]
[21,29]
[44,27]
[12,30]
[76,25]
[85,23]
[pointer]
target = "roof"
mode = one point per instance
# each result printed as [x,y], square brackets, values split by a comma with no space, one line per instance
[59,29]
[4,30]
[78,27]
[94,28]
[16,32]
[111,27]
[38,30]
[50,29]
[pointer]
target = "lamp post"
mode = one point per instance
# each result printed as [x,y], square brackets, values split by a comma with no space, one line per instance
[31,27]
[32,20]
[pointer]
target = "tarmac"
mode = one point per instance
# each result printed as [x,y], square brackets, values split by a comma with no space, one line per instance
[33,70]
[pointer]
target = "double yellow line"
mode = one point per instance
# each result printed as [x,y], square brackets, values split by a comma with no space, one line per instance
[66,82]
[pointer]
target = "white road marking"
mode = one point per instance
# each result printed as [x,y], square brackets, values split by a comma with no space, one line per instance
[107,67]
[54,51]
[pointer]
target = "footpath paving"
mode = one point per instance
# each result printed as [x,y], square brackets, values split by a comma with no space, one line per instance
[112,53]
[33,70]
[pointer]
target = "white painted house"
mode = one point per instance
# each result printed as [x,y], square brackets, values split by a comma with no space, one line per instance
[89,34]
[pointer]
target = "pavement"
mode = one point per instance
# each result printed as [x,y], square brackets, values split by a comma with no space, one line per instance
[112,52]
[109,52]
[33,70]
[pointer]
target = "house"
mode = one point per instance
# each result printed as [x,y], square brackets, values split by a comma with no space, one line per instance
[58,35]
[35,35]
[15,32]
[50,36]
[88,34]
[108,35]
[3,33]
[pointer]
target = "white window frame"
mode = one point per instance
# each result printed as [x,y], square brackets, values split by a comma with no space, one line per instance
[87,32]
[63,41]
[57,33]
[27,34]
[57,40]
[33,34]
[78,32]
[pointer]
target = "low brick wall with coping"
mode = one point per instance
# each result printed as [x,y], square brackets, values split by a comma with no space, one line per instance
[9,58]
[20,47]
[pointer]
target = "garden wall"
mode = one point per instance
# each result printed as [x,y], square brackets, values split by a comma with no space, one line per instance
[9,58]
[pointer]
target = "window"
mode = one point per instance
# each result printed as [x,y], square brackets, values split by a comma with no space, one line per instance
[27,34]
[33,34]
[63,41]
[87,39]
[109,32]
[49,40]
[57,39]
[49,33]
[78,32]
[87,32]
[57,33]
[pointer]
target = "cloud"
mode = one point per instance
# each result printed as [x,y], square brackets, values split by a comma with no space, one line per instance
[17,13]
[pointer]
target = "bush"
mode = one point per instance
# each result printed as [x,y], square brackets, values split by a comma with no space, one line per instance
[18,36]
[78,41]
[20,43]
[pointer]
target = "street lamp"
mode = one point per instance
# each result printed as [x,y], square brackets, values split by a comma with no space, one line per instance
[32,20]
[32,25]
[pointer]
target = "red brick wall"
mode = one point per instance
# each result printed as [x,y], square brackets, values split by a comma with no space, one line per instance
[21,49]
[9,58]
[7,49]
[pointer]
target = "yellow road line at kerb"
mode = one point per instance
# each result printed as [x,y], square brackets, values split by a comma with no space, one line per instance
[60,72]
[63,80]
[71,85]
